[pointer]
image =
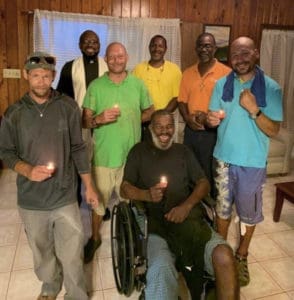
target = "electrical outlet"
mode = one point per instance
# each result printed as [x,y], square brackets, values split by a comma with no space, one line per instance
[11,73]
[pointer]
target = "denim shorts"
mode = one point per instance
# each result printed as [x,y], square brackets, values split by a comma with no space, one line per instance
[242,186]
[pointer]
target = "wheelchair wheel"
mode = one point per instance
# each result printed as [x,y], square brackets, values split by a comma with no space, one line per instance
[122,248]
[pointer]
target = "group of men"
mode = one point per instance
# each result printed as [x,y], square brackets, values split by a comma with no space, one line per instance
[229,116]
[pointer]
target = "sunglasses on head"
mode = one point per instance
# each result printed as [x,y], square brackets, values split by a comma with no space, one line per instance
[45,59]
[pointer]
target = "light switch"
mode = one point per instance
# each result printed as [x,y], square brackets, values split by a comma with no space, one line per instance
[11,73]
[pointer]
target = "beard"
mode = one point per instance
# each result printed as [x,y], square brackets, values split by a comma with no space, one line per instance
[41,93]
[158,144]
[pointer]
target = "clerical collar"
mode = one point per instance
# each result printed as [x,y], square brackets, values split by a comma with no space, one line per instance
[90,60]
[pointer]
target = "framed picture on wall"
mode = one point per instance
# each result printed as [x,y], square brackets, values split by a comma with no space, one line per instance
[222,34]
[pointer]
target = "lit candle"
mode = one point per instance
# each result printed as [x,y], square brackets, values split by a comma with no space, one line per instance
[50,166]
[221,114]
[117,108]
[163,181]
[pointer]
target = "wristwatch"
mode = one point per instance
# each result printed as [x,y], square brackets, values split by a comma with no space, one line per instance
[254,116]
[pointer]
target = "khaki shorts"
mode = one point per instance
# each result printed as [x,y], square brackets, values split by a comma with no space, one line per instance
[215,240]
[107,180]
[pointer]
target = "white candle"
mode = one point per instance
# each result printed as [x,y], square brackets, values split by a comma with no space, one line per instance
[163,181]
[50,166]
[221,114]
[117,108]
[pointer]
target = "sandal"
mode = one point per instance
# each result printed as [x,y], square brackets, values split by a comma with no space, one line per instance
[242,268]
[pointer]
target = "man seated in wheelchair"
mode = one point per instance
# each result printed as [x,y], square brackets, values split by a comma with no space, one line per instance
[167,178]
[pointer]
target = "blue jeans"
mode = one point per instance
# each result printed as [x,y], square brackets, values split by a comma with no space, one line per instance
[56,239]
[162,276]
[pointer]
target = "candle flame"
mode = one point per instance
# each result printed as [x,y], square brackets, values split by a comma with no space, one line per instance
[50,166]
[163,181]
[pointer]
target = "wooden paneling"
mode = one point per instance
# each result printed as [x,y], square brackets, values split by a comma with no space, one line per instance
[189,32]
[245,17]
[145,8]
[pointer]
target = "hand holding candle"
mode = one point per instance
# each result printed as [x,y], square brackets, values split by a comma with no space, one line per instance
[156,192]
[50,167]
[163,182]
[116,108]
[221,114]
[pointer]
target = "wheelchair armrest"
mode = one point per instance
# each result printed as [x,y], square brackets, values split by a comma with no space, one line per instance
[209,205]
[139,206]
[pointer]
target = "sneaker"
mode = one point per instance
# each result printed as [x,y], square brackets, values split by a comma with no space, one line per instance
[106,216]
[242,268]
[90,249]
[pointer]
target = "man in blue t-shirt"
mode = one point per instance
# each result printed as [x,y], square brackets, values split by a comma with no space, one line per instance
[247,108]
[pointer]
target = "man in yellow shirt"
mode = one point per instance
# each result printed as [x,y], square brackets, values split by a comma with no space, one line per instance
[196,88]
[161,77]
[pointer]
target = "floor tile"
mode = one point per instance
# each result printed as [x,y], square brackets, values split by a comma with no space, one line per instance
[285,240]
[291,295]
[23,258]
[282,271]
[261,283]
[9,234]
[98,295]
[112,294]
[9,216]
[6,258]
[4,281]
[23,285]
[8,199]
[107,276]
[268,225]
[263,248]
[282,296]
[93,276]
[104,251]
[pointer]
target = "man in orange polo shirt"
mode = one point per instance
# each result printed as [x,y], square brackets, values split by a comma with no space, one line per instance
[195,91]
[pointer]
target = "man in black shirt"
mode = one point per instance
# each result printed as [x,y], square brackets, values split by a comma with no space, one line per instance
[75,77]
[168,180]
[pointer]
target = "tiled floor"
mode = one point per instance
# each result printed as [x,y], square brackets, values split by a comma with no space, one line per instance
[271,254]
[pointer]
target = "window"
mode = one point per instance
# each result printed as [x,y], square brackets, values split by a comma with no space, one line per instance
[58,33]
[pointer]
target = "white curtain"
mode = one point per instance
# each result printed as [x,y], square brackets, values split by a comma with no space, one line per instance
[277,60]
[58,33]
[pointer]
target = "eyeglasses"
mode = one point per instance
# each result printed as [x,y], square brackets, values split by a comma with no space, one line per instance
[42,59]
[204,46]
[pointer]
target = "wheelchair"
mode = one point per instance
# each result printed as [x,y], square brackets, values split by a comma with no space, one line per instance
[129,245]
[128,248]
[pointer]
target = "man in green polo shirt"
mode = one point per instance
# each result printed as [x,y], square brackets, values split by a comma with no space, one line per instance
[114,106]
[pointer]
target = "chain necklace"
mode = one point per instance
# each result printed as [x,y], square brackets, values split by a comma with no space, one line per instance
[41,112]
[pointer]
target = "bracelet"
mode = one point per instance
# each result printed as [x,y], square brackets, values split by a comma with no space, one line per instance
[254,116]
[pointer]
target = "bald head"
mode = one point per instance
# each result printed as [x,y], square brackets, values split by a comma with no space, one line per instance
[117,47]
[243,56]
[243,41]
[116,58]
